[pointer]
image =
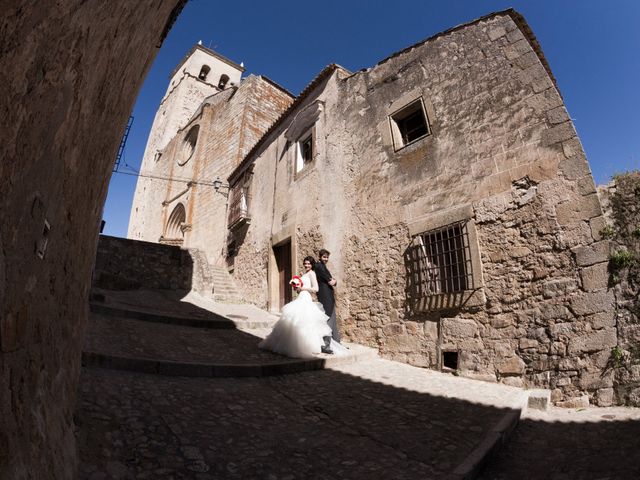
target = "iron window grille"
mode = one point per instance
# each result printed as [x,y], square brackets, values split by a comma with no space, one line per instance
[443,261]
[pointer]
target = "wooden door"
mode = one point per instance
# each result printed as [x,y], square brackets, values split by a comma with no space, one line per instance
[282,253]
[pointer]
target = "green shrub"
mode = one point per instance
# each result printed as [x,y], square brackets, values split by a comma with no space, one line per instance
[617,355]
[621,258]
[607,232]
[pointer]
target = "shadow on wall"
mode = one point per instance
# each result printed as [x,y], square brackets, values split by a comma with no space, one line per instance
[123,264]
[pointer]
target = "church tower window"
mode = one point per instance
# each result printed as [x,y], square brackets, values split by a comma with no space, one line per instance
[204,71]
[224,79]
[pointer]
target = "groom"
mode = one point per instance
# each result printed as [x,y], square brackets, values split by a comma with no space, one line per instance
[325,296]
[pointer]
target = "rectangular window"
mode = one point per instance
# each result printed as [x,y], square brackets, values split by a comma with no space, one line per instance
[446,261]
[440,262]
[305,151]
[239,200]
[409,124]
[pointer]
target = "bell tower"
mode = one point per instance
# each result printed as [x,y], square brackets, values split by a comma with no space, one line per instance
[200,74]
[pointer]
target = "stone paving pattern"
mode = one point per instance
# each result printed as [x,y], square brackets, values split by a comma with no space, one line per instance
[317,425]
[370,419]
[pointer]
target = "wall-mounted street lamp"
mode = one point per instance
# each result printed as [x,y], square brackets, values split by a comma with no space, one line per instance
[218,185]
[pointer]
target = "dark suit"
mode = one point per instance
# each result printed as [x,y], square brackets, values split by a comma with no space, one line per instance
[326,297]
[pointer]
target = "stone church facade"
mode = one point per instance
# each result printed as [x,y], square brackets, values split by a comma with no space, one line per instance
[447,181]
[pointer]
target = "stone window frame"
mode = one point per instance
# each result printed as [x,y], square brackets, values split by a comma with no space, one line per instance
[468,298]
[300,167]
[386,128]
[401,114]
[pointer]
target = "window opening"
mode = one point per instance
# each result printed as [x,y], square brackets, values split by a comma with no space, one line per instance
[409,124]
[450,360]
[446,260]
[305,152]
[224,79]
[204,71]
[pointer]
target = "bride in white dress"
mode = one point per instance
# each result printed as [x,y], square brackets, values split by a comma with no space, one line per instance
[303,324]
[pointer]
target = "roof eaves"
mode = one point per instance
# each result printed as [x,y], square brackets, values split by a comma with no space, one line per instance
[277,85]
[518,19]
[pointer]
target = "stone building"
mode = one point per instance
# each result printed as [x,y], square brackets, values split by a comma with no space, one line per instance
[452,190]
[207,122]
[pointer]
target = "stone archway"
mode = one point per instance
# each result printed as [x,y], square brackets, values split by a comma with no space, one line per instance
[175,226]
[75,80]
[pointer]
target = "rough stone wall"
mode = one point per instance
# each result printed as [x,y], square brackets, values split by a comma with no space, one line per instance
[123,264]
[621,200]
[503,144]
[310,240]
[71,73]
[503,148]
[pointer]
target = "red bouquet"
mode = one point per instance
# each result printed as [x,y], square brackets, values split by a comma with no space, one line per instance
[296,282]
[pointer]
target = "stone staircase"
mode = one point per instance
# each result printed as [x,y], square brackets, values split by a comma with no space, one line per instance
[223,288]
[161,351]
[159,332]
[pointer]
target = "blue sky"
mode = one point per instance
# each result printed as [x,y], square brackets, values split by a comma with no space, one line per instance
[593,48]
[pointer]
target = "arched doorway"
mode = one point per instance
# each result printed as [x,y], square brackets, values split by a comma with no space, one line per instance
[175,226]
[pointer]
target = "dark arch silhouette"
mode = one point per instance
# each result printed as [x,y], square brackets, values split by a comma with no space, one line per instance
[75,92]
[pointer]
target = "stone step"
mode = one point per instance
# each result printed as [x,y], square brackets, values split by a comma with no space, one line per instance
[224,289]
[167,349]
[210,321]
[225,298]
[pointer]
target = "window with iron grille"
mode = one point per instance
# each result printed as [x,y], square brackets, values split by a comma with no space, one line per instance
[442,261]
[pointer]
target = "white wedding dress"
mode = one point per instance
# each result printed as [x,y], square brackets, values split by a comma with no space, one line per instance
[302,325]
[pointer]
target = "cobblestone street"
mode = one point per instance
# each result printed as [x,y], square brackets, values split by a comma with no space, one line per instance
[570,444]
[363,418]
[325,424]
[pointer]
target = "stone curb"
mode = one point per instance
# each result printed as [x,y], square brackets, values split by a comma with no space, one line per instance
[218,321]
[188,369]
[471,466]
